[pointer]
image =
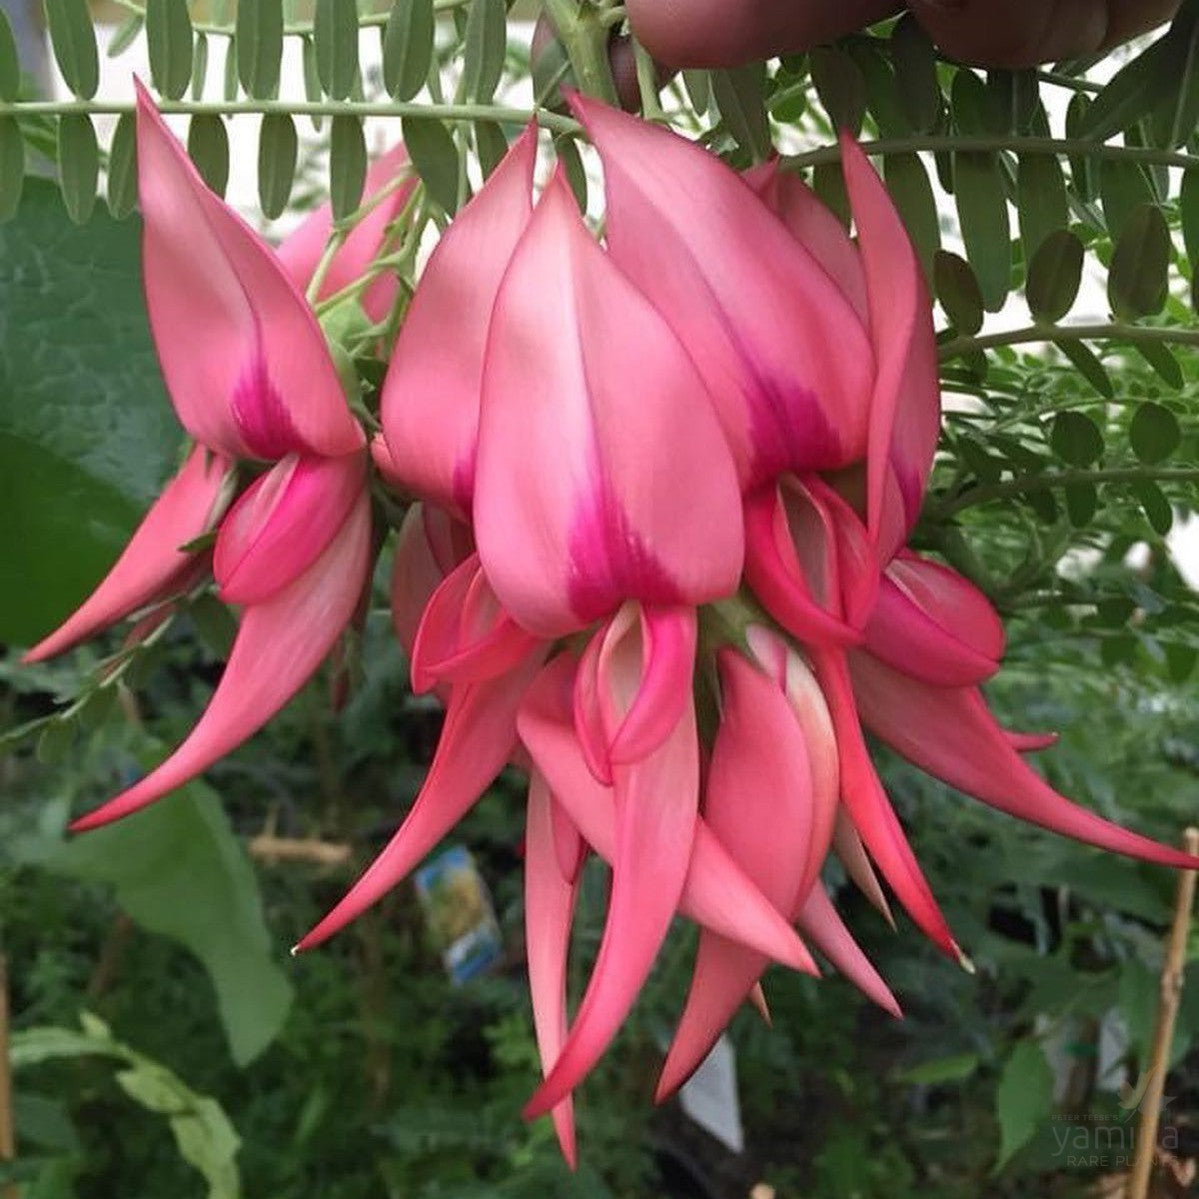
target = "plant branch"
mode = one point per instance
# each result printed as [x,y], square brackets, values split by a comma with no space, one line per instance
[1145,334]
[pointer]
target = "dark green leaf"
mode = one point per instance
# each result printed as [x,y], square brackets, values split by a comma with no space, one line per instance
[1154,433]
[1163,362]
[10,65]
[484,48]
[1118,650]
[208,146]
[312,77]
[1076,439]
[122,168]
[490,145]
[1054,275]
[259,40]
[1130,93]
[86,432]
[78,165]
[1123,187]
[435,158]
[982,212]
[1023,1099]
[841,88]
[957,289]
[882,97]
[407,47]
[229,87]
[942,1070]
[699,90]
[829,184]
[55,742]
[169,46]
[1188,206]
[347,165]
[907,181]
[1082,502]
[199,66]
[1082,166]
[975,109]
[1088,366]
[1155,506]
[1180,661]
[1040,200]
[74,43]
[1179,111]
[740,96]
[277,149]
[576,175]
[12,167]
[1137,282]
[916,82]
[179,871]
[335,35]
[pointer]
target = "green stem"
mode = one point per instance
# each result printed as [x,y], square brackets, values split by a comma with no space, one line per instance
[1132,334]
[1009,141]
[331,108]
[583,36]
[1063,478]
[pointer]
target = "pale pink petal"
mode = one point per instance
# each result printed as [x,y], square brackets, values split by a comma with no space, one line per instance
[573,513]
[430,405]
[549,908]
[848,847]
[302,249]
[717,893]
[786,359]
[278,647]
[949,732]
[476,742]
[905,409]
[430,544]
[189,505]
[759,803]
[282,524]
[822,925]
[931,623]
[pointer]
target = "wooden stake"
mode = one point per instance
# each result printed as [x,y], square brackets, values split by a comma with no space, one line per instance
[8,1136]
[1163,1034]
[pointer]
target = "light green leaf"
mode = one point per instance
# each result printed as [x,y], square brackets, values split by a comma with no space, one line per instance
[1123,187]
[259,41]
[1054,276]
[86,433]
[908,183]
[1023,1099]
[435,158]
[126,34]
[407,47]
[10,65]
[278,147]
[699,89]
[1154,433]
[335,35]
[208,147]
[941,1070]
[1130,93]
[122,168]
[1040,200]
[490,145]
[568,155]
[983,215]
[485,46]
[74,42]
[169,46]
[178,870]
[347,165]
[78,165]
[199,75]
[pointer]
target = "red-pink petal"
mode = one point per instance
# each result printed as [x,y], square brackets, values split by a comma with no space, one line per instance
[245,362]
[785,357]
[282,524]
[848,847]
[549,908]
[302,249]
[949,732]
[476,741]
[572,512]
[430,405]
[279,645]
[187,508]
[430,544]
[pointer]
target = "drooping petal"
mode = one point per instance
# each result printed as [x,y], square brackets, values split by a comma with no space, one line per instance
[820,922]
[283,523]
[755,310]
[279,645]
[572,514]
[717,893]
[851,853]
[870,809]
[476,742]
[759,803]
[189,505]
[1030,743]
[245,362]
[301,250]
[430,544]
[549,908]
[934,625]
[430,404]
[949,732]
[905,408]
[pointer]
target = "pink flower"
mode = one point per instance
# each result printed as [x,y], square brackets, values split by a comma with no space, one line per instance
[252,379]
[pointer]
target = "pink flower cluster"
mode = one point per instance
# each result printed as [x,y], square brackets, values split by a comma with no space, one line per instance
[664,485]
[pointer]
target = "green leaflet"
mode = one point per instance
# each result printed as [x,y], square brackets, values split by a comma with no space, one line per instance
[407,47]
[74,43]
[982,212]
[278,147]
[78,165]
[335,37]
[169,46]
[347,165]
[259,41]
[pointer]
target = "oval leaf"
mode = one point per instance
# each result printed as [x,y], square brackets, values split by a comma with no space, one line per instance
[1054,276]
[169,46]
[1076,439]
[347,165]
[957,289]
[259,33]
[908,183]
[335,34]
[126,34]
[1137,281]
[74,43]
[1154,433]
[1123,188]
[208,147]
[841,88]
[122,168]
[10,66]
[407,47]
[490,145]
[1040,200]
[435,158]
[915,62]
[1087,365]
[740,96]
[484,49]
[277,149]
[1154,504]
[199,66]
[78,165]
[982,212]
